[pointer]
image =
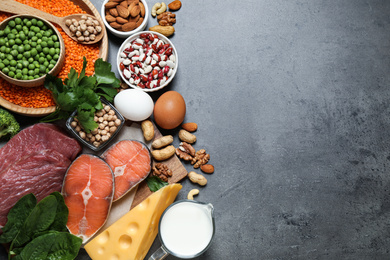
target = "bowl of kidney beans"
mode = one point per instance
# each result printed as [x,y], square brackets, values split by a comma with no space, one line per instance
[147,60]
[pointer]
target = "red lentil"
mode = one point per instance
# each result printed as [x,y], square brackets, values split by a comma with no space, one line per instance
[40,97]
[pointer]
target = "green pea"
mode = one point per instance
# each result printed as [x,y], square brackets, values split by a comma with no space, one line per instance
[22,36]
[11,36]
[49,57]
[34,21]
[56,57]
[19,65]
[42,68]
[36,71]
[18,27]
[56,45]
[11,42]
[36,76]
[39,48]
[14,31]
[24,71]
[18,20]
[19,57]
[43,44]
[18,75]
[2,49]
[13,63]
[52,51]
[45,50]
[11,74]
[7,50]
[1,33]
[31,34]
[36,29]
[5,70]
[44,27]
[2,66]
[34,44]
[12,23]
[18,41]
[7,30]
[30,60]
[50,43]
[31,73]
[30,77]
[49,32]
[2,41]
[25,77]
[34,52]
[14,53]
[58,50]
[41,60]
[53,61]
[39,35]
[13,69]
[40,23]
[25,63]
[31,66]
[27,54]
[50,66]
[46,63]
[28,23]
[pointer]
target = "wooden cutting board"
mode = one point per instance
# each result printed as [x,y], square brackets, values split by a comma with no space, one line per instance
[119,208]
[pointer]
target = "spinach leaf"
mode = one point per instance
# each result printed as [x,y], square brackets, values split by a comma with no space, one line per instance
[155,183]
[17,216]
[104,75]
[53,245]
[40,219]
[62,212]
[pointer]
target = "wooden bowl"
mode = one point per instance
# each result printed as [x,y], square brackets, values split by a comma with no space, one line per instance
[54,71]
[88,7]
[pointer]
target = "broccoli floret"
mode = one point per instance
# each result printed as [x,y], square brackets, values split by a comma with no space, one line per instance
[8,125]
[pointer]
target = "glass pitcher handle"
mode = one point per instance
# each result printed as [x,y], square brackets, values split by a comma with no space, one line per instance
[159,254]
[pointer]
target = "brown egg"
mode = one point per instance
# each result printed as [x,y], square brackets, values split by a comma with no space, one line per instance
[169,110]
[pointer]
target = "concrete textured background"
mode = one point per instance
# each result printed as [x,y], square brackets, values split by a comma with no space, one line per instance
[292,102]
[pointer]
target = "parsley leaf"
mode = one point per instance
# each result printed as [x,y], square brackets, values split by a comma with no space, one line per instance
[82,93]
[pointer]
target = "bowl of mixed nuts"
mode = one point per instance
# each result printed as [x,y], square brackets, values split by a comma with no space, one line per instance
[125,17]
[147,60]
[109,120]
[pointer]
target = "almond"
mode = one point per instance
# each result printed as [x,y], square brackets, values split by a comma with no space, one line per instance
[142,7]
[129,26]
[134,19]
[139,22]
[115,25]
[175,5]
[190,127]
[135,11]
[207,168]
[131,5]
[124,4]
[110,4]
[114,12]
[121,20]
[110,18]
[122,11]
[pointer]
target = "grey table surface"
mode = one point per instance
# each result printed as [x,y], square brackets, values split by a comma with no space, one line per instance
[292,103]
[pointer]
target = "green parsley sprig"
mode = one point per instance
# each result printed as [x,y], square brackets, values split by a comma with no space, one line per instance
[82,93]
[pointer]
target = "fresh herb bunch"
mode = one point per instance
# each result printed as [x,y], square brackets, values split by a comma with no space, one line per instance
[82,93]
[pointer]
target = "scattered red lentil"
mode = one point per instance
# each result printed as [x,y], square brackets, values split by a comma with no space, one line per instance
[40,97]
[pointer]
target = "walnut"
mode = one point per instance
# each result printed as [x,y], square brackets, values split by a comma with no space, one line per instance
[162,171]
[166,18]
[185,151]
[201,158]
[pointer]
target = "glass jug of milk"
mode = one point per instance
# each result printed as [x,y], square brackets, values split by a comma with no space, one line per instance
[186,229]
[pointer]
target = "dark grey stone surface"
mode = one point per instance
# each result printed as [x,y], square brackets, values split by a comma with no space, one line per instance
[292,102]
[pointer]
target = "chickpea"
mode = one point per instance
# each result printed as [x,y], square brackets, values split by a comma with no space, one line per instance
[78,34]
[107,108]
[107,128]
[101,126]
[105,122]
[117,122]
[86,33]
[84,17]
[96,22]
[111,123]
[105,138]
[113,129]
[95,131]
[68,22]
[72,28]
[96,144]
[105,117]
[82,134]
[101,119]
[103,132]
[80,39]
[73,124]
[99,113]
[98,137]
[98,29]
[111,112]
[92,139]
[76,23]
[77,128]
[92,37]
[83,27]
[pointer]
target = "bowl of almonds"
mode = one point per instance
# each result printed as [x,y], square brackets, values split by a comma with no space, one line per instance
[125,17]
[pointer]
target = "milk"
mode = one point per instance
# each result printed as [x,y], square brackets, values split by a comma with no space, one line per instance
[186,229]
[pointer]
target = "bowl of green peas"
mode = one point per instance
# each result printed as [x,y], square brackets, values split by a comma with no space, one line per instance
[30,48]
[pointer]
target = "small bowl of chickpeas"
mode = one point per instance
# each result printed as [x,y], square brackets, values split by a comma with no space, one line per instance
[109,121]
[30,48]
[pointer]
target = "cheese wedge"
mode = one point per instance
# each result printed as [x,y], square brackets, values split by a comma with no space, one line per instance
[132,235]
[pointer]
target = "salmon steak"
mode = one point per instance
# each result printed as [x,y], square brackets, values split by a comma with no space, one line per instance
[88,191]
[131,163]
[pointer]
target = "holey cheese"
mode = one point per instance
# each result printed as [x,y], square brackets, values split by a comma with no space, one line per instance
[131,237]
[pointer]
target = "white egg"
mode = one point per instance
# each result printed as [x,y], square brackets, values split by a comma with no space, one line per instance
[134,104]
